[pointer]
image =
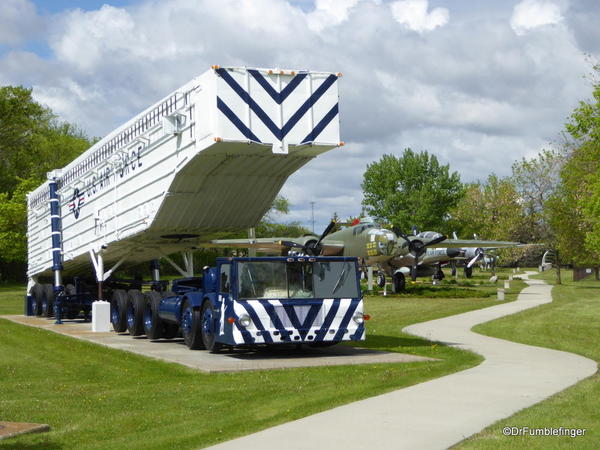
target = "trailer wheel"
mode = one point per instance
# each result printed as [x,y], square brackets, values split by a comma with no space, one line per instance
[118,310]
[135,312]
[47,300]
[37,292]
[209,334]
[153,326]
[191,327]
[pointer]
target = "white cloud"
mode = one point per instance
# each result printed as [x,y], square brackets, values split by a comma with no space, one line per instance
[329,13]
[529,14]
[413,14]
[18,21]
[475,94]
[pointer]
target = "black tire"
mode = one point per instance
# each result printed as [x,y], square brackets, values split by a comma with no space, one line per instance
[468,272]
[453,271]
[191,327]
[47,300]
[170,330]
[153,326]
[439,274]
[118,310]
[398,282]
[135,312]
[209,327]
[70,312]
[380,279]
[37,291]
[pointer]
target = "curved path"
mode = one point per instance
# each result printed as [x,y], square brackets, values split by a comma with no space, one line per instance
[439,413]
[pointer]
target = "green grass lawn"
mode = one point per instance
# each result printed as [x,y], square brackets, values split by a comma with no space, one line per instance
[95,397]
[570,323]
[11,298]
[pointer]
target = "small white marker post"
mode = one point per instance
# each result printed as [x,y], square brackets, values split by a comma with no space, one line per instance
[370,279]
[510,277]
[506,284]
[500,294]
[101,317]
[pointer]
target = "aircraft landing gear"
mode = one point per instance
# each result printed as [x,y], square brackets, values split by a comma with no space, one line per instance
[468,272]
[398,282]
[380,279]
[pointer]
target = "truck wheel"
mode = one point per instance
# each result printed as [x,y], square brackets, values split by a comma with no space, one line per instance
[118,311]
[191,326]
[135,312]
[37,291]
[398,282]
[170,330]
[153,326]
[47,300]
[209,332]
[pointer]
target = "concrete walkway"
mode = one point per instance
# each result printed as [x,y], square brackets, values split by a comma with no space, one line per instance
[440,413]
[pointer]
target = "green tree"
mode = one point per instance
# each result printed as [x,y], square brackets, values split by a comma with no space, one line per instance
[413,189]
[574,209]
[32,142]
[536,180]
[491,210]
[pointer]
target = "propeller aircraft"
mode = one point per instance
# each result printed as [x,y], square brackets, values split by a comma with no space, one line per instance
[393,253]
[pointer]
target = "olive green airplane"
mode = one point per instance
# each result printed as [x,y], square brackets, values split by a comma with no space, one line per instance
[374,245]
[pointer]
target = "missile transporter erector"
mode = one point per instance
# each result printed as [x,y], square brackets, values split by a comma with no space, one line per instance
[207,158]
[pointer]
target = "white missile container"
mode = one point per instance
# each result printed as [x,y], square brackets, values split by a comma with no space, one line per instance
[209,157]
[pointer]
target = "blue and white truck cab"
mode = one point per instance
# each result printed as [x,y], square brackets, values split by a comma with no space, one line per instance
[263,301]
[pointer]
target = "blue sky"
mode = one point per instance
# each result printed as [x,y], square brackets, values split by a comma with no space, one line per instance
[479,84]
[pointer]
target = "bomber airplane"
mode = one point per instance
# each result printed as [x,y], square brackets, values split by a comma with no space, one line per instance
[374,245]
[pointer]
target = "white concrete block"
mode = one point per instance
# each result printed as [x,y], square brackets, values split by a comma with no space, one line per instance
[500,294]
[506,284]
[101,317]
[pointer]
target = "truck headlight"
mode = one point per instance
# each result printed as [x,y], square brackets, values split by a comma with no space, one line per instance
[244,320]
[358,317]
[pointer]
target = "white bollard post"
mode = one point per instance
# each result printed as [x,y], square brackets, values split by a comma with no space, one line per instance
[101,317]
[506,284]
[514,270]
[510,278]
[370,279]
[500,294]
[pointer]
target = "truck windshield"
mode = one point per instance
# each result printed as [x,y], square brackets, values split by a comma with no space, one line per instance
[282,279]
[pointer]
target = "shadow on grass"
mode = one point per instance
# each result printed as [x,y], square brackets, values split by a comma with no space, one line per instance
[5,444]
[392,342]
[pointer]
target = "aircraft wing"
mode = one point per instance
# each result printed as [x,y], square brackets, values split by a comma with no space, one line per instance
[466,243]
[276,244]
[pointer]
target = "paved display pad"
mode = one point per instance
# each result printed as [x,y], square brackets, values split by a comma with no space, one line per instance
[12,429]
[174,350]
[440,413]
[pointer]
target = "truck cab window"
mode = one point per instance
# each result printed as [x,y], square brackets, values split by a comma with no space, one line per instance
[225,277]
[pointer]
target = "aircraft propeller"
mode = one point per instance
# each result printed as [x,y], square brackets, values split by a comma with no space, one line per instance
[479,253]
[312,247]
[417,248]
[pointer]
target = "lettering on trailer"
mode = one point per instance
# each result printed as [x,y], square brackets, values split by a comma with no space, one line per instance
[128,163]
[279,98]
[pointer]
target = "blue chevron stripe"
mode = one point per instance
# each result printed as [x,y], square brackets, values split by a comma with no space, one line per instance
[320,334]
[279,97]
[252,313]
[260,113]
[312,136]
[236,121]
[270,309]
[346,320]
[304,327]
